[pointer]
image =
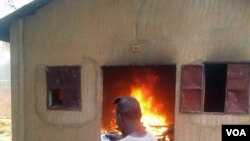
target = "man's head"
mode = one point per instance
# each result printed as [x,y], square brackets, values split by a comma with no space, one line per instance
[127,111]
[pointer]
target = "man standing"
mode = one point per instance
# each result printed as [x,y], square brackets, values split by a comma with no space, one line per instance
[128,120]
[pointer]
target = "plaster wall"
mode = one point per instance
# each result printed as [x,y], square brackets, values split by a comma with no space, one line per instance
[94,33]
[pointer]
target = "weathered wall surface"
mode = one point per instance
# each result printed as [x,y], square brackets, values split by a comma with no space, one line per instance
[93,33]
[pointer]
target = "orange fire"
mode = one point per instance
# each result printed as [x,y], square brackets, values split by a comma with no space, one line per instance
[152,118]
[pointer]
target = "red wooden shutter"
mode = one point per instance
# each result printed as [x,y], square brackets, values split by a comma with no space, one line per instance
[191,88]
[237,90]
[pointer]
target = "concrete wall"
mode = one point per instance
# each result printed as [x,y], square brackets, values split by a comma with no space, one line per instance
[93,33]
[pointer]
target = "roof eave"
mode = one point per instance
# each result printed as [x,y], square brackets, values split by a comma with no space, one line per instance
[22,12]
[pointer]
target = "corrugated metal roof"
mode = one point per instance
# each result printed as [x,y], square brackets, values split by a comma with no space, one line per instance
[23,11]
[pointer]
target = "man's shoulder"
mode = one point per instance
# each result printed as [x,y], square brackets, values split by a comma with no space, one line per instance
[148,137]
[151,136]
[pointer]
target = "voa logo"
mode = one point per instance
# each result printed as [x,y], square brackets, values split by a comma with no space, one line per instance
[236,132]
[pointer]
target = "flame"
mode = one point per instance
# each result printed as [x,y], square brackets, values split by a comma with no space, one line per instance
[152,117]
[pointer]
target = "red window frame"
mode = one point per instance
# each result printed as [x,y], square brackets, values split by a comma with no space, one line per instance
[192,88]
[237,89]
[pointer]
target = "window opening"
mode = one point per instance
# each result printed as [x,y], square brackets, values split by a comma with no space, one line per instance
[221,87]
[63,87]
[215,87]
[153,86]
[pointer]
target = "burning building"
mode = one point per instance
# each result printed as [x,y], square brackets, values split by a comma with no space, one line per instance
[187,62]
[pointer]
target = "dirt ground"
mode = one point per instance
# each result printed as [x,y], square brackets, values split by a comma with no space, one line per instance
[5,115]
[5,128]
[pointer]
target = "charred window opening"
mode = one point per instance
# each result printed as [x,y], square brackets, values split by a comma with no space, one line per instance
[153,86]
[63,87]
[215,87]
